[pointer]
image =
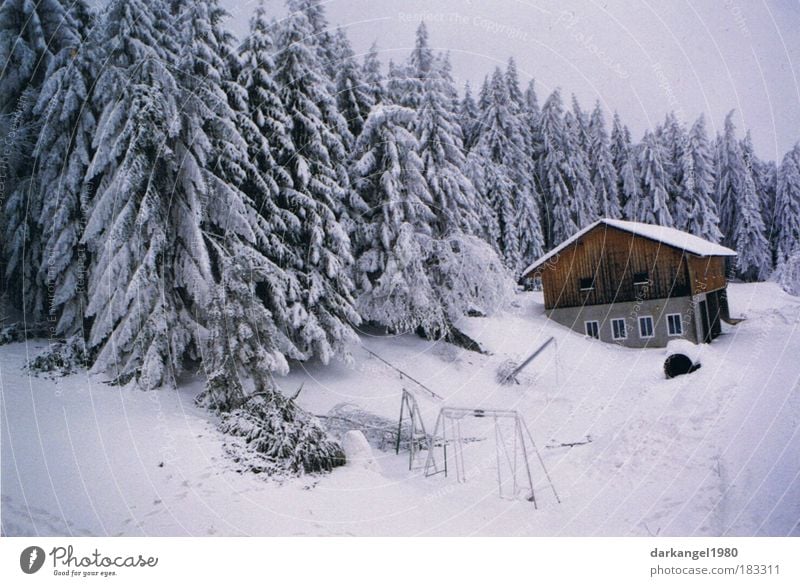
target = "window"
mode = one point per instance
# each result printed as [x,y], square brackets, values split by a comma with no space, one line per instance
[592,329]
[674,324]
[641,285]
[587,284]
[618,331]
[646,326]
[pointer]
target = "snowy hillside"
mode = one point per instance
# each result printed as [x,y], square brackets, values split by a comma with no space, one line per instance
[710,453]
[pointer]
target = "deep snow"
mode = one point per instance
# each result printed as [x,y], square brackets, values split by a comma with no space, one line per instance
[715,452]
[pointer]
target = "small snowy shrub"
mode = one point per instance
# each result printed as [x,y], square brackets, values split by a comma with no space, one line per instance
[788,274]
[289,438]
[61,358]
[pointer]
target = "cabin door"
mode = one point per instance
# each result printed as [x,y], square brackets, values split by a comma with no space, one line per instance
[705,322]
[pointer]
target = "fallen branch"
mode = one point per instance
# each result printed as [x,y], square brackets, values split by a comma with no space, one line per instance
[553,445]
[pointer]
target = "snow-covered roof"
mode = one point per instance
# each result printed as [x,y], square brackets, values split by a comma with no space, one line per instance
[668,236]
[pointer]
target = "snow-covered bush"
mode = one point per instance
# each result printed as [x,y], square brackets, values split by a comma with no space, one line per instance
[61,358]
[287,437]
[788,274]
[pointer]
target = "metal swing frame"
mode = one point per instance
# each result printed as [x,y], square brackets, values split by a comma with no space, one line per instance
[523,443]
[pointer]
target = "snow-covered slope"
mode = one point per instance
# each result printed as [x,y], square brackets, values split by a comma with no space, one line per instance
[711,453]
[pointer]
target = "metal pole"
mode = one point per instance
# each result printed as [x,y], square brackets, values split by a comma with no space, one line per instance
[527,464]
[400,422]
[533,443]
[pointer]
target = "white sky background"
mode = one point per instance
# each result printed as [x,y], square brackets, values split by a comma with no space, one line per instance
[642,58]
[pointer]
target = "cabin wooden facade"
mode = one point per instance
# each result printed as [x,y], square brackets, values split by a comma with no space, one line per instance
[662,284]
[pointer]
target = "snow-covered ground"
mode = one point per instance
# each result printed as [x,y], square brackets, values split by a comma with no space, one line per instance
[715,452]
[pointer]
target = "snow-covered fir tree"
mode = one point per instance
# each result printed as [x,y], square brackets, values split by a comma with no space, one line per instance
[787,206]
[698,173]
[440,146]
[31,34]
[63,151]
[530,120]
[554,173]
[353,95]
[580,124]
[320,36]
[730,172]
[583,203]
[766,178]
[672,139]
[653,208]
[322,310]
[468,116]
[409,277]
[142,328]
[515,95]
[741,221]
[394,234]
[601,166]
[753,262]
[407,80]
[501,145]
[373,75]
[788,274]
[265,124]
[624,158]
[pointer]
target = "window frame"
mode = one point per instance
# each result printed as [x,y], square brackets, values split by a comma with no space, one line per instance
[596,334]
[639,281]
[588,289]
[652,326]
[679,322]
[624,328]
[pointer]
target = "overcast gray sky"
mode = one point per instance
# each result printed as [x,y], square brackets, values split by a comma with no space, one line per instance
[642,58]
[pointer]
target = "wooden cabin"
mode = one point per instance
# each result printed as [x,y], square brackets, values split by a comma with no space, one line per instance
[635,284]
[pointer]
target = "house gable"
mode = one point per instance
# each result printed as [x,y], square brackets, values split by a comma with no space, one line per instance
[607,264]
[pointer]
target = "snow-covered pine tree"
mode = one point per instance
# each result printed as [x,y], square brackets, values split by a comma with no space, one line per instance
[265,127]
[440,148]
[63,151]
[654,181]
[243,355]
[766,177]
[580,124]
[515,95]
[554,174]
[730,178]
[322,310]
[601,166]
[406,81]
[468,116]
[787,206]
[530,120]
[754,262]
[788,274]
[353,94]
[141,324]
[741,221]
[501,145]
[672,140]
[625,164]
[373,76]
[320,37]
[31,34]
[698,181]
[394,235]
[410,279]
[525,116]
[583,203]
